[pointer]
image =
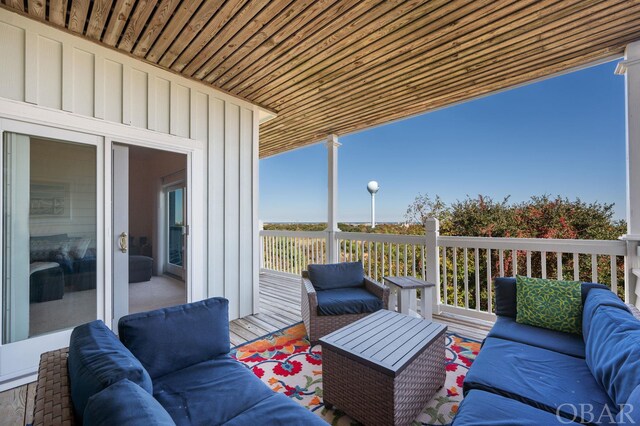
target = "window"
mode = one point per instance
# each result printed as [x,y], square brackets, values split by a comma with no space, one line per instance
[49,235]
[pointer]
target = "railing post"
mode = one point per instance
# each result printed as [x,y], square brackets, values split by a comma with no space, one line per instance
[432,231]
[630,67]
[261,242]
[332,201]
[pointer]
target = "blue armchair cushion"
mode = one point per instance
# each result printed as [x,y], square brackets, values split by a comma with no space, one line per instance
[166,340]
[336,275]
[351,300]
[506,295]
[613,351]
[97,359]
[210,392]
[538,377]
[479,408]
[125,403]
[557,341]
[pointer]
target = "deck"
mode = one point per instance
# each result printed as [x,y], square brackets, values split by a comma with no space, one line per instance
[279,307]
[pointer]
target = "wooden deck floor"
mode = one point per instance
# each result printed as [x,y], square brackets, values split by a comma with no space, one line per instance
[279,308]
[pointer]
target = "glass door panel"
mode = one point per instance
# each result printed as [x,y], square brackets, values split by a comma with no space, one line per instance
[49,239]
[175,230]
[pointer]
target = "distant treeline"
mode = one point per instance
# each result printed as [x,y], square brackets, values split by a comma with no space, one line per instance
[539,217]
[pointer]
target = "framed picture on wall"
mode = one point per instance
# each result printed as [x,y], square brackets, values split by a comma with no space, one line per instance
[50,199]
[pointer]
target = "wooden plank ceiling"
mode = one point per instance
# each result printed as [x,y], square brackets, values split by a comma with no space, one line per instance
[334,66]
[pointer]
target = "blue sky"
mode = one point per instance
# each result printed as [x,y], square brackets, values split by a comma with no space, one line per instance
[564,135]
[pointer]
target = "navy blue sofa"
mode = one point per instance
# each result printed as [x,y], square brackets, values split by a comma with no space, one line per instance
[171,366]
[527,375]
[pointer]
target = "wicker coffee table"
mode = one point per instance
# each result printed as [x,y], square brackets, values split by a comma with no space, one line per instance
[383,369]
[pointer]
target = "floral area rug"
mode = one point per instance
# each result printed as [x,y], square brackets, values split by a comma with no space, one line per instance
[286,362]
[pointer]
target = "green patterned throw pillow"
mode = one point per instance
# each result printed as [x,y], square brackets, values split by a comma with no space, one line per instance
[552,304]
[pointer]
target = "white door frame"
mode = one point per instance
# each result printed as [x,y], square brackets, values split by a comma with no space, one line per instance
[17,358]
[196,288]
[37,120]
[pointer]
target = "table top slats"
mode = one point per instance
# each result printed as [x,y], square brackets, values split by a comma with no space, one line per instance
[345,333]
[397,345]
[407,283]
[385,340]
[367,336]
[417,343]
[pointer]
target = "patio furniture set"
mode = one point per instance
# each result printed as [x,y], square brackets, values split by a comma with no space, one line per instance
[171,366]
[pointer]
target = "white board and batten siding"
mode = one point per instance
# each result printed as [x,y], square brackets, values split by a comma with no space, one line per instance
[100,91]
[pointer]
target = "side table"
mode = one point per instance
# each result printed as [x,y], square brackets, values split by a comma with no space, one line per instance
[384,368]
[403,292]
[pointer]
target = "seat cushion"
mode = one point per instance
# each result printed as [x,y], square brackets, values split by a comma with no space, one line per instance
[97,359]
[566,343]
[594,300]
[551,304]
[169,339]
[336,275]
[479,408]
[211,392]
[613,351]
[347,301]
[538,377]
[125,403]
[280,411]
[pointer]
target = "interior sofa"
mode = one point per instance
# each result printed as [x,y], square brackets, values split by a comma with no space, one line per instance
[168,366]
[60,263]
[527,375]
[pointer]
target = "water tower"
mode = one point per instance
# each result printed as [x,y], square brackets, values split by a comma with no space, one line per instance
[373,187]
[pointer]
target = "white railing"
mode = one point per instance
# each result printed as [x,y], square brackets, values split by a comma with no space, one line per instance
[467,265]
[384,254]
[291,251]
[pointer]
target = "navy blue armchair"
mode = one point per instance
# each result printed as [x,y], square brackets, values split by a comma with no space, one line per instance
[335,295]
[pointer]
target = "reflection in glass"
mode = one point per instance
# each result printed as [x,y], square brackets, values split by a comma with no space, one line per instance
[176,223]
[49,239]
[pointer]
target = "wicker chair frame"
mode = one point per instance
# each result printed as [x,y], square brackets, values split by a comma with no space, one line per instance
[321,325]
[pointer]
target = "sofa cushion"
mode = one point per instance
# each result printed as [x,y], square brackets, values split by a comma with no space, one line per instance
[480,408]
[353,300]
[630,412]
[169,339]
[97,359]
[613,351]
[336,275]
[566,343]
[211,392]
[506,295]
[538,377]
[125,403]
[595,299]
[551,304]
[280,411]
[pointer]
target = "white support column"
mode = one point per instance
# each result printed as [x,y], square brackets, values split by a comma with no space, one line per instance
[432,231]
[332,198]
[630,67]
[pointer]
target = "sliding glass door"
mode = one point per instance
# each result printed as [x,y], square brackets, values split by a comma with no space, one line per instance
[174,199]
[49,248]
